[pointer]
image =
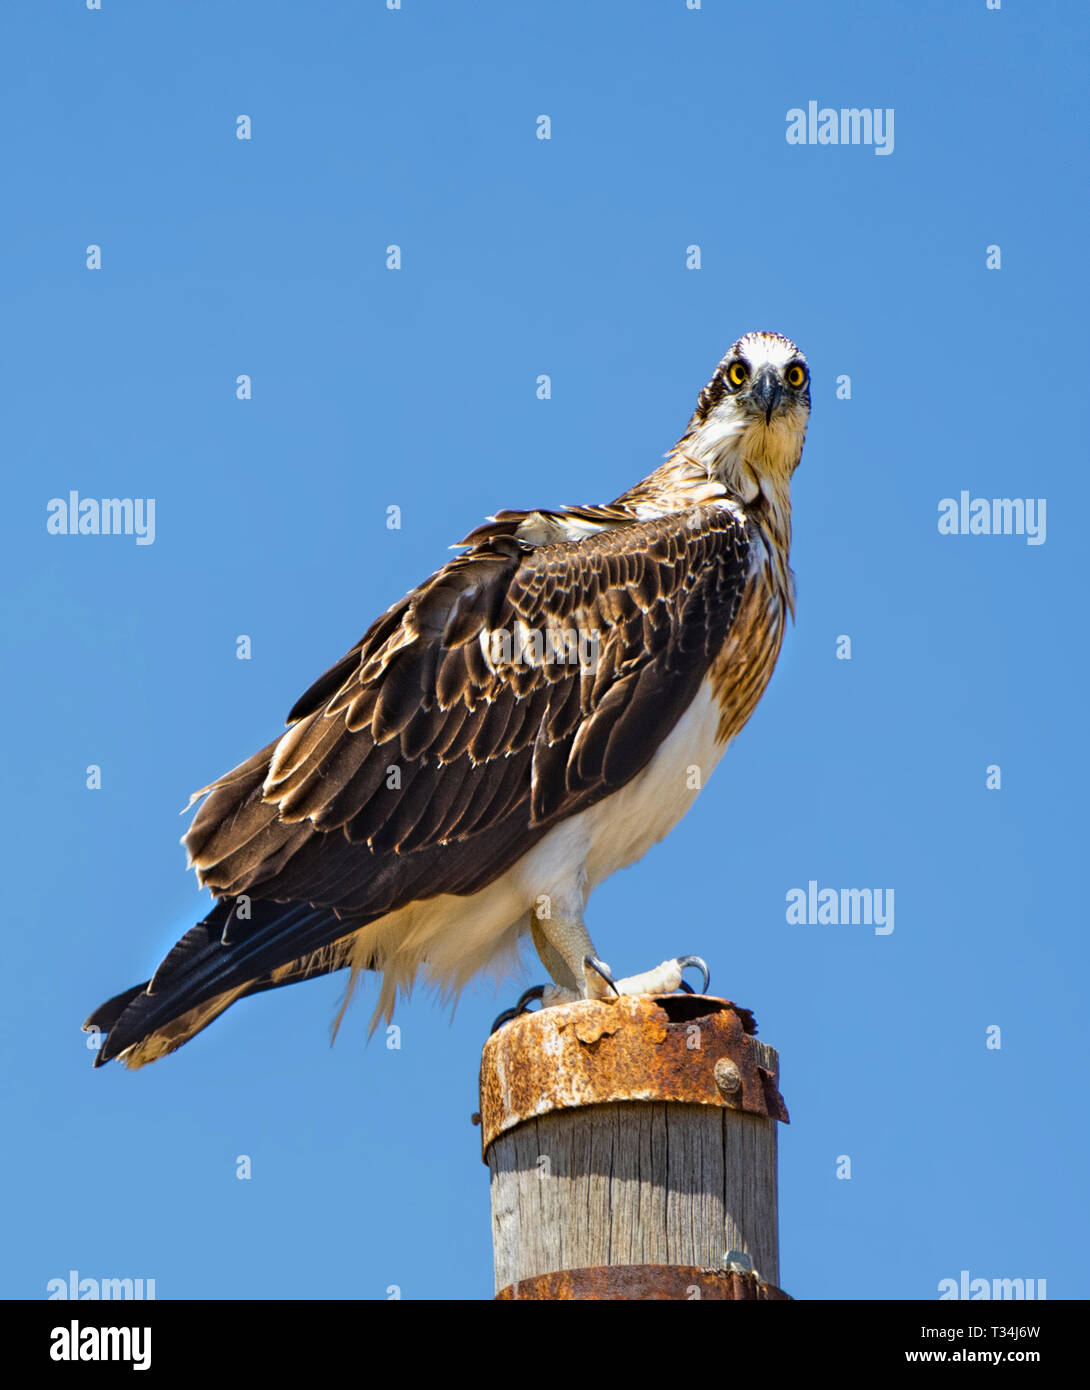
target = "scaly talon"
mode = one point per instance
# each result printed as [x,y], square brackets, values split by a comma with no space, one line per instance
[664,979]
[602,970]
[684,961]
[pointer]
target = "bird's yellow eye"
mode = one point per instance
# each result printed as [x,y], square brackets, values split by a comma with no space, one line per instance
[796,375]
[736,373]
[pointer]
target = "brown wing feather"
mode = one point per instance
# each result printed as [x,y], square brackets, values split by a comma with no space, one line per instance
[481,743]
[489,750]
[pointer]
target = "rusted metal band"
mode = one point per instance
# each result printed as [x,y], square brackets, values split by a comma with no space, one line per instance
[643,1282]
[688,1048]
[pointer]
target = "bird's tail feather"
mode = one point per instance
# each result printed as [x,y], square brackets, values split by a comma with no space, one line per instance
[216,962]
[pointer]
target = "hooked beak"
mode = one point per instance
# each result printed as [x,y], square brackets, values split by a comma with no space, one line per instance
[767,393]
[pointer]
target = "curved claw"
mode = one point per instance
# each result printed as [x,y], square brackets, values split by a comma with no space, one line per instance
[522,1006]
[600,968]
[684,961]
[527,997]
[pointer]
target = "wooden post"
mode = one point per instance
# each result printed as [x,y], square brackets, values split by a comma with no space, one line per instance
[632,1151]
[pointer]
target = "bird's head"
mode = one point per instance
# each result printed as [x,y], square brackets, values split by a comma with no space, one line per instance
[750,420]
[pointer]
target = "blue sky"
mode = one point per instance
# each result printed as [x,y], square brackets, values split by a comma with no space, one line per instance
[417,388]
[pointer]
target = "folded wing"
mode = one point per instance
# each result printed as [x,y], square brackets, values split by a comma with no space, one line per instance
[520,684]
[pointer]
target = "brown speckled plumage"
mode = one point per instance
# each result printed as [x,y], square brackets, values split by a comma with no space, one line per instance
[682,579]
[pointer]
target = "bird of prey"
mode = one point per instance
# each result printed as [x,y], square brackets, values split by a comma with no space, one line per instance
[524,723]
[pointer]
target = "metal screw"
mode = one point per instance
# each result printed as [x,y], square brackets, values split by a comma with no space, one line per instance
[727,1076]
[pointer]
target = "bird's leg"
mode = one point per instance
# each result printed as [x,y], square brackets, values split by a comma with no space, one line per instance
[564,981]
[567,952]
[563,946]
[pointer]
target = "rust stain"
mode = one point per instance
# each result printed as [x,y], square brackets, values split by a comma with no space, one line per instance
[588,1029]
[774,1103]
[643,1282]
[677,1047]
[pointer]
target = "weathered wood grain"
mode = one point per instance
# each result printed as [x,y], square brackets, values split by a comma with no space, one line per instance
[634,1183]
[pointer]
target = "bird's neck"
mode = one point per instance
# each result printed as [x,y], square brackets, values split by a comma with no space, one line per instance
[758,478]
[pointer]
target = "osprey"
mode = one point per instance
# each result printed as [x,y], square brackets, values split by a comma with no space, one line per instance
[526,722]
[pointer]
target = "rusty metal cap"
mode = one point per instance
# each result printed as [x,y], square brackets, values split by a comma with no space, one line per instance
[642,1282]
[690,1048]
